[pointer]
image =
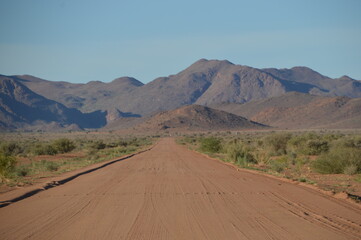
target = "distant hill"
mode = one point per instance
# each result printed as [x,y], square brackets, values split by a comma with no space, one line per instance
[297,111]
[89,97]
[22,108]
[206,82]
[319,84]
[196,118]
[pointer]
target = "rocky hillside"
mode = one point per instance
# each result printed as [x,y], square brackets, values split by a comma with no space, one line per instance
[196,118]
[319,84]
[297,111]
[92,96]
[22,108]
[206,82]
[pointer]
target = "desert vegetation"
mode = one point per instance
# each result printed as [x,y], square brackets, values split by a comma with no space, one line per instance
[300,156]
[25,158]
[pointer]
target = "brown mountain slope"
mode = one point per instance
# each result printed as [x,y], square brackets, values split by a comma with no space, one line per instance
[94,95]
[22,108]
[324,86]
[297,110]
[205,82]
[196,117]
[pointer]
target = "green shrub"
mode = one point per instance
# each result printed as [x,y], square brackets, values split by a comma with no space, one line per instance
[11,148]
[22,171]
[44,149]
[350,169]
[261,156]
[309,144]
[50,150]
[293,157]
[210,144]
[302,179]
[7,165]
[316,147]
[98,145]
[239,154]
[278,142]
[246,159]
[187,139]
[279,164]
[64,145]
[111,145]
[332,137]
[94,157]
[297,143]
[45,165]
[122,143]
[234,151]
[352,142]
[135,142]
[190,140]
[339,160]
[51,166]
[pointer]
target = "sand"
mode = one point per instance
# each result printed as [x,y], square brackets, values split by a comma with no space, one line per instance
[170,192]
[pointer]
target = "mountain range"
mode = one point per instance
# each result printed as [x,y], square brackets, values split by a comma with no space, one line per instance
[296,110]
[213,83]
[22,108]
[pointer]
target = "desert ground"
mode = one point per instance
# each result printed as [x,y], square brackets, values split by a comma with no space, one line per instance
[170,192]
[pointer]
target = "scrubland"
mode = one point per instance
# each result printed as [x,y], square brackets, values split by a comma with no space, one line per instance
[27,157]
[330,160]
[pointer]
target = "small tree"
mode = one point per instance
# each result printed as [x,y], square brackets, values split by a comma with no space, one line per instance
[239,153]
[98,145]
[211,144]
[7,165]
[278,142]
[64,145]
[11,148]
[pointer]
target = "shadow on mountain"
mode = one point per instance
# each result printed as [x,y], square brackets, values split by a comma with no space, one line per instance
[21,107]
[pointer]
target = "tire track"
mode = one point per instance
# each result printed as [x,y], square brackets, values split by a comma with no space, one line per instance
[170,192]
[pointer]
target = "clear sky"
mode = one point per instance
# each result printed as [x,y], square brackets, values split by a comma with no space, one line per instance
[85,40]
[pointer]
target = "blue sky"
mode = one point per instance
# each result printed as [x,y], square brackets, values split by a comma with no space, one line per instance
[85,40]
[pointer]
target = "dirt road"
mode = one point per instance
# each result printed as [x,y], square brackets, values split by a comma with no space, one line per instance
[173,193]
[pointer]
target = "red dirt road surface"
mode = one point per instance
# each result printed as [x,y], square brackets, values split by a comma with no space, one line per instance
[170,192]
